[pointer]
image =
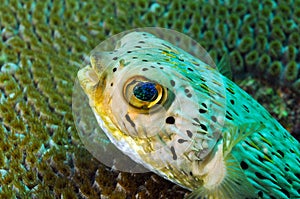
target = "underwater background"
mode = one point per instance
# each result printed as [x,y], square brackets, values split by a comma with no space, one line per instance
[43,45]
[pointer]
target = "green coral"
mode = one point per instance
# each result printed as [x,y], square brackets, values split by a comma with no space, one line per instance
[236,60]
[42,47]
[246,44]
[251,58]
[291,71]
[275,69]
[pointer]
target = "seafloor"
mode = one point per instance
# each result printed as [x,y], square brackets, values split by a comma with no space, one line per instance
[42,47]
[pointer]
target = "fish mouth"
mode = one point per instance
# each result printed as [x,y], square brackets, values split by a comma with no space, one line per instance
[92,84]
[88,78]
[94,75]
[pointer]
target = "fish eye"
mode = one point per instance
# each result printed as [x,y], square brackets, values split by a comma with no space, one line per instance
[145,91]
[144,94]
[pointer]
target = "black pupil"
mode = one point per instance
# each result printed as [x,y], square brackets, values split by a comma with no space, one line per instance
[145,91]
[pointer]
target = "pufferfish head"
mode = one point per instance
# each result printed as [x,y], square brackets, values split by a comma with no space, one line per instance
[144,98]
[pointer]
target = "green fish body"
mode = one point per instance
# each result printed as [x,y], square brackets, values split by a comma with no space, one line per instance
[182,119]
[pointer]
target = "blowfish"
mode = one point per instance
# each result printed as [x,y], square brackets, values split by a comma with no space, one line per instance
[188,122]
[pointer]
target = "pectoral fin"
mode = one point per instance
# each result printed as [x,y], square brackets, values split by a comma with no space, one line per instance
[234,185]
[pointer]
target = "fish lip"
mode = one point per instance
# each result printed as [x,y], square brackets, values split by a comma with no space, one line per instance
[88,78]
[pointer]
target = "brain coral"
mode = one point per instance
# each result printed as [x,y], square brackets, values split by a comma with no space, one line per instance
[43,44]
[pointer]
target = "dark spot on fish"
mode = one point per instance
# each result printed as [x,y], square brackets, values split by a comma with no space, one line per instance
[111,84]
[145,60]
[180,141]
[260,176]
[182,60]
[186,90]
[141,42]
[232,101]
[196,64]
[158,63]
[172,83]
[203,127]
[285,192]
[230,90]
[244,165]
[190,79]
[202,110]
[237,182]
[174,153]
[260,194]
[261,158]
[205,87]
[129,51]
[138,47]
[134,57]
[281,153]
[189,133]
[170,120]
[229,115]
[202,79]
[213,118]
[115,58]
[235,112]
[152,66]
[273,176]
[197,120]
[246,108]
[144,69]
[190,69]
[129,120]
[144,34]
[286,169]
[166,46]
[191,173]
[204,105]
[114,69]
[161,67]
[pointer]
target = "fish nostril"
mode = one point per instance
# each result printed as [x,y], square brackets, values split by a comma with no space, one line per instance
[170,120]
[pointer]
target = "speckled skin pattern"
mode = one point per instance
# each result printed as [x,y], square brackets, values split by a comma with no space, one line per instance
[42,47]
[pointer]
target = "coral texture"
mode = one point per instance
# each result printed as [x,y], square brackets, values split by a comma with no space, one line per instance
[43,44]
